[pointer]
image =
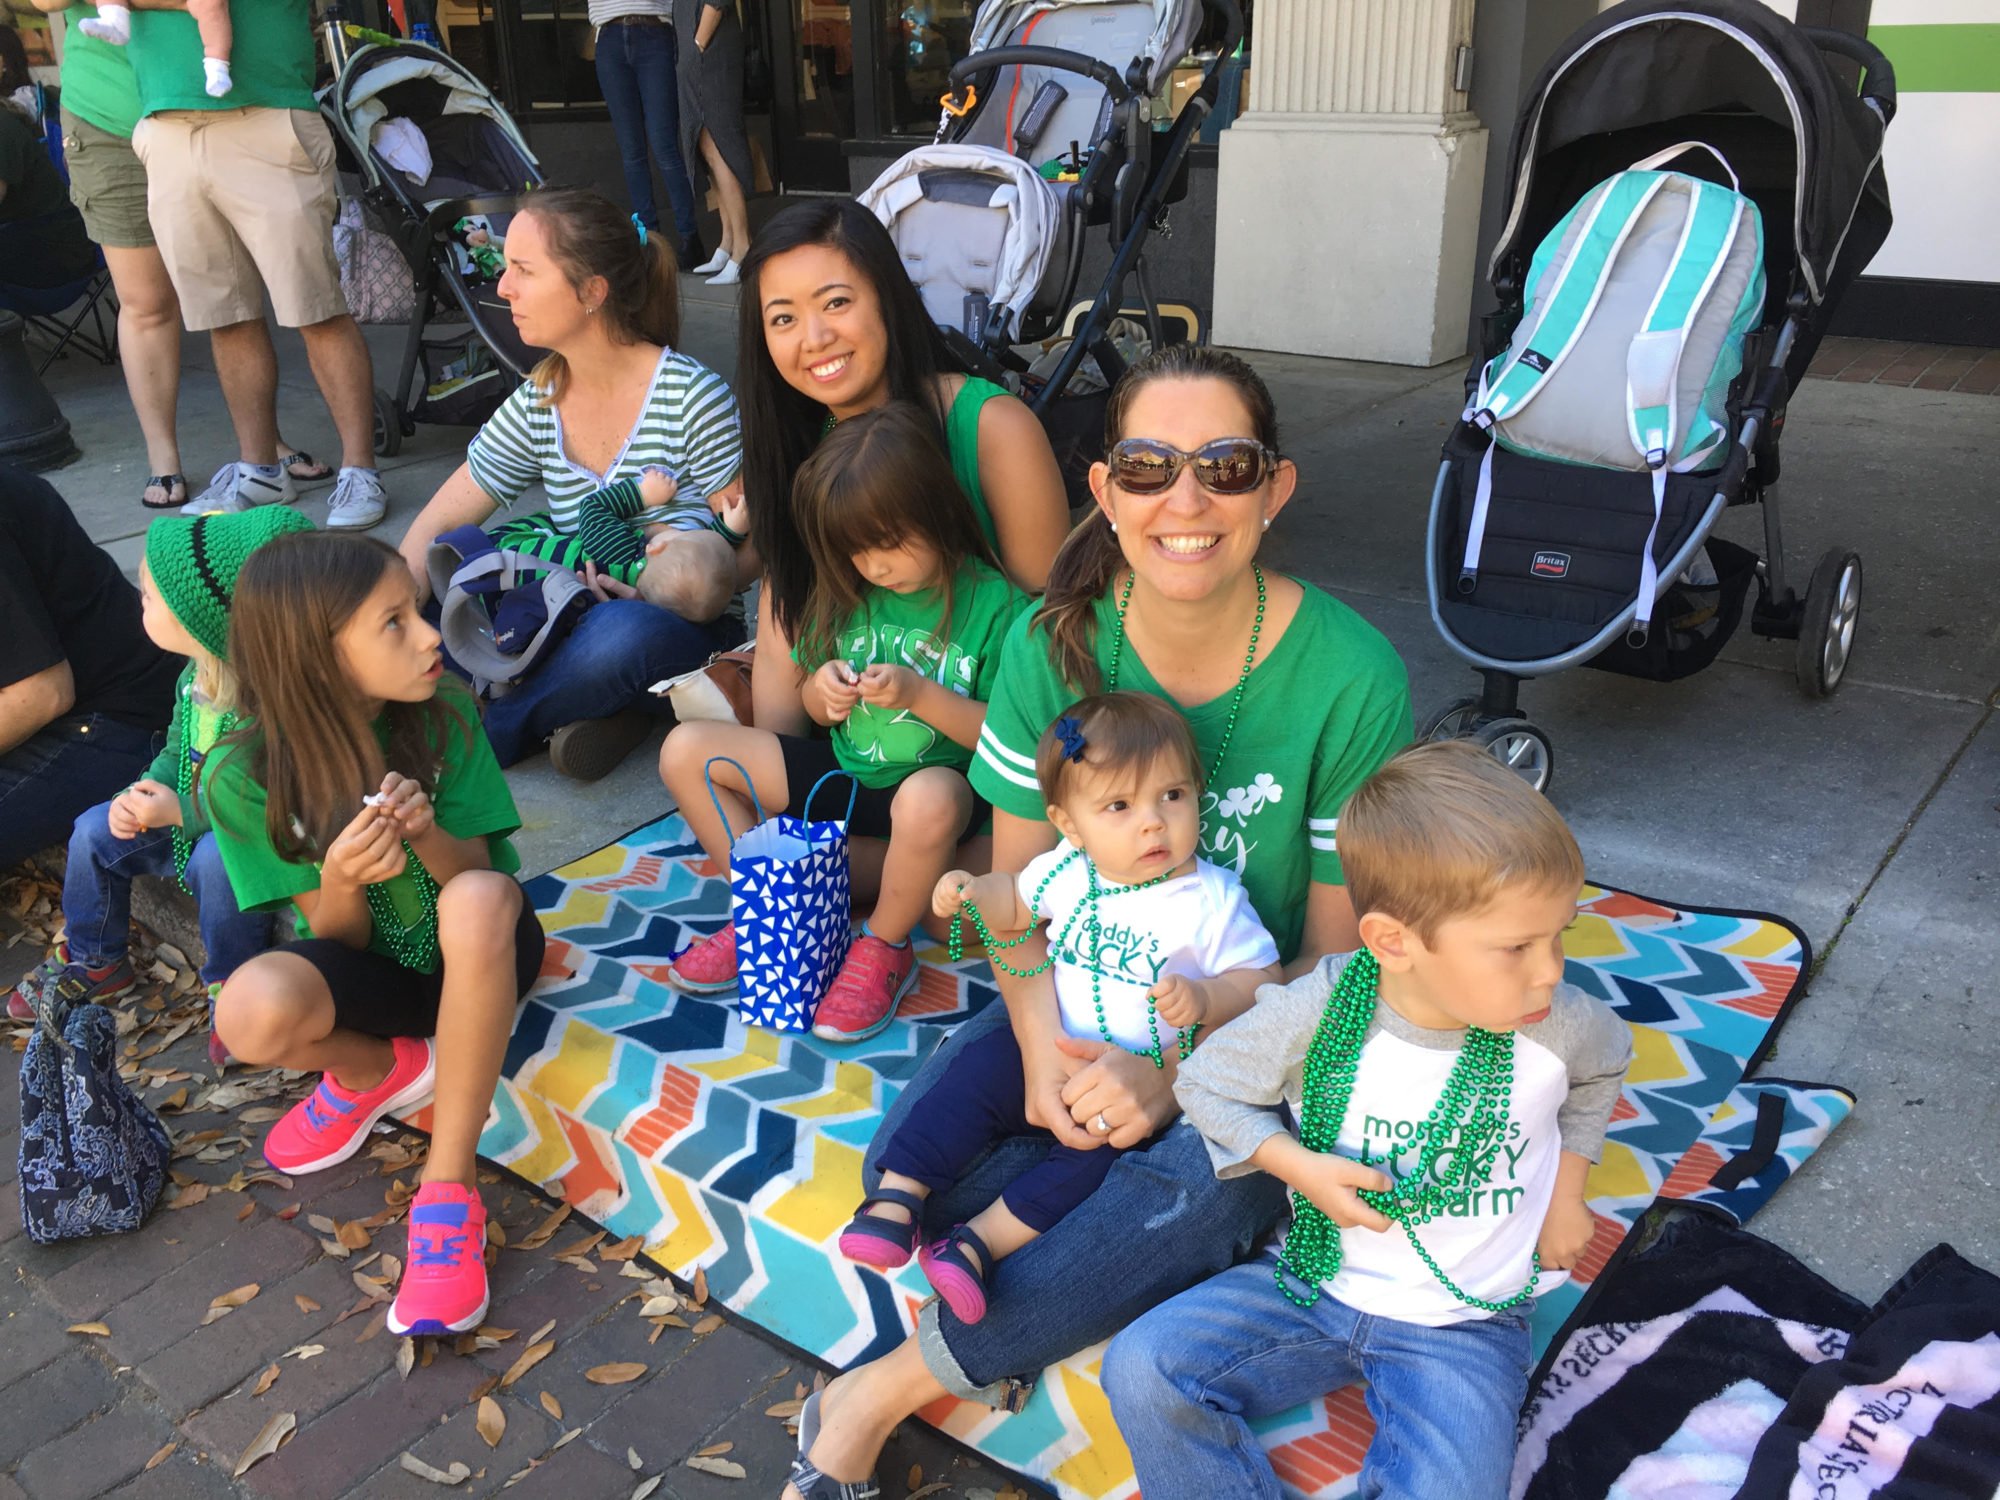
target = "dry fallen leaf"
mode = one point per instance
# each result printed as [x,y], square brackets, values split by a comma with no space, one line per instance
[161,1457]
[303,1351]
[727,1468]
[700,1287]
[228,1302]
[265,1380]
[543,1332]
[406,1357]
[545,1231]
[306,1304]
[266,1442]
[567,1438]
[633,1460]
[619,1372]
[648,1487]
[552,1406]
[714,1450]
[624,1249]
[659,1307]
[785,1409]
[916,1479]
[492,1422]
[485,1387]
[708,1324]
[937,1487]
[93,1328]
[352,1235]
[531,1356]
[458,1473]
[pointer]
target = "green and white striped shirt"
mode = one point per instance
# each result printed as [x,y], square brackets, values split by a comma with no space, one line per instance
[688,427]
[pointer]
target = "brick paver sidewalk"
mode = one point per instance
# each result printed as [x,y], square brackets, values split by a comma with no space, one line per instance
[88,1412]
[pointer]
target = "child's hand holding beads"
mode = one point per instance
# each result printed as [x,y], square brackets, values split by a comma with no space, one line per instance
[1181,1002]
[950,893]
[886,686]
[408,804]
[1333,1184]
[1566,1233]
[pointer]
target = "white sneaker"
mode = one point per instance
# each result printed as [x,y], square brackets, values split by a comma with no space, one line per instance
[239,486]
[729,275]
[357,502]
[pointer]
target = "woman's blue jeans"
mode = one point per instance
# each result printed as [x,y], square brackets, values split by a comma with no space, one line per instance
[97,896]
[618,650]
[1159,1223]
[636,71]
[1186,1381]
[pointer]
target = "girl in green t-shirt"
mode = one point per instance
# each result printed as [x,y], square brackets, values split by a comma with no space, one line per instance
[364,796]
[897,647]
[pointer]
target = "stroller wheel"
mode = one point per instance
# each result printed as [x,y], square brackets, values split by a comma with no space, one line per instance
[1826,630]
[1452,722]
[388,425]
[1521,747]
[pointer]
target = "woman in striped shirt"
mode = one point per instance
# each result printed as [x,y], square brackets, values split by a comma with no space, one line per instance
[612,397]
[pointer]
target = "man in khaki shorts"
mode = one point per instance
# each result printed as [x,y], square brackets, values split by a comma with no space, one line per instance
[240,192]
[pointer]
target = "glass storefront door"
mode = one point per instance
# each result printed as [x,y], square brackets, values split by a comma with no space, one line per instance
[813,103]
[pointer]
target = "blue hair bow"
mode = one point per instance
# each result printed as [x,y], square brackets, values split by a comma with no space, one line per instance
[1070,733]
[640,225]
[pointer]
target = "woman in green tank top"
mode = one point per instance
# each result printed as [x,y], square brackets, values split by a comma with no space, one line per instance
[830,325]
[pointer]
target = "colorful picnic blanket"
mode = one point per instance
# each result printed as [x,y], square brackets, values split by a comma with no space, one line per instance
[739,1151]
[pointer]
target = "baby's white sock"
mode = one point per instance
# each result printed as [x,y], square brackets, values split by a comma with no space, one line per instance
[113,24]
[217,71]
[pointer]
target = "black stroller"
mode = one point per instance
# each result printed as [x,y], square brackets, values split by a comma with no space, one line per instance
[1046,133]
[478,165]
[1563,543]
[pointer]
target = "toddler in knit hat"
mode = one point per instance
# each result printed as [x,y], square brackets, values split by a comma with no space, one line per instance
[156,825]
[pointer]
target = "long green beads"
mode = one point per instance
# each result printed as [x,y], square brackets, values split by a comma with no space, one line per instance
[1087,911]
[1456,1145]
[184,779]
[1242,682]
[415,946]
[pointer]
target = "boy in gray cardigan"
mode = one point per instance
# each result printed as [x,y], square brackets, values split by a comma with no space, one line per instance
[1443,1096]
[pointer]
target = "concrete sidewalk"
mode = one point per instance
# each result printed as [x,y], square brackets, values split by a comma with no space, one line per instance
[1869,820]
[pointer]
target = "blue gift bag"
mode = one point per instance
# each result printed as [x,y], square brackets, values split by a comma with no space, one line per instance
[789,899]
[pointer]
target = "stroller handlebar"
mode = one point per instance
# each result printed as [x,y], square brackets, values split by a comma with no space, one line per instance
[1040,57]
[1878,76]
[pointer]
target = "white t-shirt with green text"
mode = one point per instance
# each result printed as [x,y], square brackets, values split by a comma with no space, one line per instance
[1325,706]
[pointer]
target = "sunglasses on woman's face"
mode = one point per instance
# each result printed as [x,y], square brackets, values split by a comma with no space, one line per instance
[1227,466]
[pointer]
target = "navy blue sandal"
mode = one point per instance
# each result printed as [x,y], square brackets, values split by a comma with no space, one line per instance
[954,1274]
[881,1242]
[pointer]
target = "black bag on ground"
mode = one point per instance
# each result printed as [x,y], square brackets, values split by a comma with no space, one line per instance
[93,1157]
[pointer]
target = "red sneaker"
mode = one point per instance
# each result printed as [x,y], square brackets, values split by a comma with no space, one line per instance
[708,967]
[444,1285]
[329,1124]
[862,998]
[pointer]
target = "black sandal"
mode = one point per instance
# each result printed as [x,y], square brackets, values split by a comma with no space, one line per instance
[320,472]
[878,1241]
[166,482]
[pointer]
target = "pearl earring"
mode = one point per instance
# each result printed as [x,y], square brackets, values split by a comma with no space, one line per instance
[1267,523]
[1114,528]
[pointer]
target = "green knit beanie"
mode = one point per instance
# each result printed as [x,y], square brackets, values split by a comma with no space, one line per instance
[194,562]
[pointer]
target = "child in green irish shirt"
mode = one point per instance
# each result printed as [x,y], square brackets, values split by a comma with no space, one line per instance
[897,654]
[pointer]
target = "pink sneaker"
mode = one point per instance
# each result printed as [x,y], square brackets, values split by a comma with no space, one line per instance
[708,967]
[444,1285]
[862,998]
[329,1124]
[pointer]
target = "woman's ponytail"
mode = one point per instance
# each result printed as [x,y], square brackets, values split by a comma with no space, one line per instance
[1084,567]
[656,313]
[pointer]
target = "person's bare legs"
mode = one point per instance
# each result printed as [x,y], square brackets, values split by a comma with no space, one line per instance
[477,914]
[926,816]
[277,1012]
[729,200]
[684,756]
[346,376]
[149,347]
[858,1411]
[247,367]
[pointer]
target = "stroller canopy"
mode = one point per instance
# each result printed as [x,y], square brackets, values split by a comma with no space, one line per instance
[1806,145]
[973,225]
[1175,23]
[452,109]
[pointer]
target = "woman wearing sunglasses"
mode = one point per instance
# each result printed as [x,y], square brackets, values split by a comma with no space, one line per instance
[1294,700]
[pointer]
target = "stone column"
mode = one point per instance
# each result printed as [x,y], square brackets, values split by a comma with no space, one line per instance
[1347,199]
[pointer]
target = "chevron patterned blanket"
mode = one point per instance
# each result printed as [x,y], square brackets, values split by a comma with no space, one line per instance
[738,1151]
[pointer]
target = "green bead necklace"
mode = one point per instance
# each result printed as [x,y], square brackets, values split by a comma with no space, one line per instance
[1236,699]
[1086,911]
[184,779]
[415,946]
[1465,1126]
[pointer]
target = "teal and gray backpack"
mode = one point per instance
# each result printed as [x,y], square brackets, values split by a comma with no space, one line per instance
[1638,304]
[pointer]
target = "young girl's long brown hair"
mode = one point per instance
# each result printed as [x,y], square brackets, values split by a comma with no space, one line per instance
[313,748]
[589,236]
[1089,558]
[877,480]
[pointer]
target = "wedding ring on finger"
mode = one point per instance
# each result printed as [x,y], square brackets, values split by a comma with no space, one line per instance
[1099,1125]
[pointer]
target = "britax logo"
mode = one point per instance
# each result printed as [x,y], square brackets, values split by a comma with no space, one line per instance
[1550,565]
